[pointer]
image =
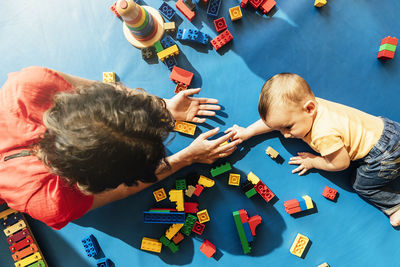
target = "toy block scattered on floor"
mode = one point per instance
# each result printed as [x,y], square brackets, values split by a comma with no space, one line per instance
[264,191]
[243,3]
[189,14]
[234,179]
[173,230]
[387,48]
[104,262]
[169,27]
[221,39]
[246,186]
[267,6]
[255,3]
[205,182]
[160,194]
[151,244]
[114,10]
[177,196]
[220,24]
[185,127]
[109,77]
[189,223]
[180,87]
[193,36]
[179,75]
[190,5]
[213,8]
[203,216]
[208,248]
[191,207]
[170,51]
[189,192]
[324,265]
[174,248]
[253,178]
[91,246]
[148,52]
[158,46]
[297,205]
[170,62]
[251,193]
[235,13]
[319,3]
[244,225]
[220,169]
[178,238]
[167,41]
[164,240]
[271,152]
[299,245]
[180,184]
[247,232]
[329,193]
[167,11]
[198,228]
[164,217]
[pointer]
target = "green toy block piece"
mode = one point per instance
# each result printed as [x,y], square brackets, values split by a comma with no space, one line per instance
[388,47]
[221,169]
[158,46]
[251,193]
[174,248]
[180,184]
[188,226]
[165,241]
[242,236]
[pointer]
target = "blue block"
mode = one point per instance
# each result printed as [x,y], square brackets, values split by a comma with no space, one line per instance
[302,203]
[193,36]
[10,220]
[167,11]
[104,262]
[164,217]
[170,62]
[213,8]
[167,41]
[247,232]
[91,246]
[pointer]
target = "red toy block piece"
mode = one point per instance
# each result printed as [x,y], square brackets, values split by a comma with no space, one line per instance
[198,190]
[208,248]
[198,228]
[385,54]
[113,8]
[189,14]
[178,238]
[220,24]
[254,221]
[329,193]
[255,3]
[191,207]
[267,6]
[243,215]
[293,210]
[243,3]
[264,191]
[290,204]
[389,40]
[221,39]
[180,75]
[180,87]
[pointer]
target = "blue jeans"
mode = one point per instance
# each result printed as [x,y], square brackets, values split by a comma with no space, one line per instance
[379,168]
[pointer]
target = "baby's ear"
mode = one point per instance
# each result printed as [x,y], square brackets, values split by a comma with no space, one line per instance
[310,106]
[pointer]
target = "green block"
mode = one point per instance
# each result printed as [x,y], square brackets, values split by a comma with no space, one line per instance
[188,226]
[242,236]
[251,193]
[158,46]
[156,210]
[38,264]
[174,248]
[221,169]
[165,241]
[388,47]
[180,184]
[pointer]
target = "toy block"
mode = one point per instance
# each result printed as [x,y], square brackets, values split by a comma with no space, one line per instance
[165,241]
[389,40]
[113,8]
[193,36]
[255,3]
[247,232]
[253,178]
[160,194]
[170,51]
[220,169]
[213,8]
[271,152]
[40,263]
[167,41]
[191,207]
[10,219]
[91,246]
[104,262]
[180,184]
[329,193]
[205,182]
[224,143]
[178,238]
[243,215]
[198,190]
[180,87]
[189,192]
[189,14]
[109,77]
[158,46]
[235,13]
[243,3]
[292,206]
[299,245]
[25,252]
[388,47]
[190,5]
[246,186]
[181,75]
[172,230]
[5,213]
[254,221]
[267,6]
[303,205]
[169,27]
[308,201]
[162,210]
[189,223]
[264,191]
[21,244]
[221,39]
[203,216]
[151,244]
[28,260]
[234,179]
[167,11]
[242,235]
[177,196]
[324,265]
[385,54]
[14,228]
[173,247]
[208,248]
[148,52]
[18,236]
[319,3]
[164,217]
[251,193]
[198,228]
[170,62]
[185,127]
[220,24]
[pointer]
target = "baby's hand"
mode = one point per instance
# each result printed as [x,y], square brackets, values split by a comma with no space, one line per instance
[239,133]
[305,160]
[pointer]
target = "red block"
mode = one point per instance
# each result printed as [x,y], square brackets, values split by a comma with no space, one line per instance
[243,216]
[293,210]
[290,204]
[113,8]
[189,14]
[329,193]
[198,228]
[255,3]
[243,3]
[208,248]
[221,39]
[389,40]
[385,54]
[264,191]
[180,87]
[198,190]
[180,75]
[191,207]
[220,24]
[178,238]
[267,6]
[254,222]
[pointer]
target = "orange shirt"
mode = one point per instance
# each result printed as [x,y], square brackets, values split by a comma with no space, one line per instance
[26,184]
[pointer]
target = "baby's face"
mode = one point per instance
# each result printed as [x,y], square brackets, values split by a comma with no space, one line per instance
[291,120]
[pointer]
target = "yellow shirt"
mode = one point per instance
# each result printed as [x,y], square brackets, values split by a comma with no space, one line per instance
[337,125]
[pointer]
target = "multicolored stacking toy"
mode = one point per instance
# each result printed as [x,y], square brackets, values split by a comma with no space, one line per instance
[143,25]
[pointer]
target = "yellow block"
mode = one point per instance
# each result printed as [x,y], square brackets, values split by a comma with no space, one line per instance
[324,265]
[234,179]
[151,244]
[320,3]
[190,190]
[109,77]
[299,245]
[170,51]
[271,152]
[15,228]
[28,260]
[160,194]
[235,13]
[169,26]
[224,143]
[203,216]
[309,203]
[184,127]
[206,182]
[177,196]
[172,230]
[6,212]
[253,178]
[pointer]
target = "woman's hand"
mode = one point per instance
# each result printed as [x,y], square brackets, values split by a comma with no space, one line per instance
[186,108]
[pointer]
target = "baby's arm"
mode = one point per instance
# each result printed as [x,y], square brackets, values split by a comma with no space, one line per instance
[258,127]
[336,161]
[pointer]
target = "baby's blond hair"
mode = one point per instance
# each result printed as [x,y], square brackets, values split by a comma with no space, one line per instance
[283,88]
